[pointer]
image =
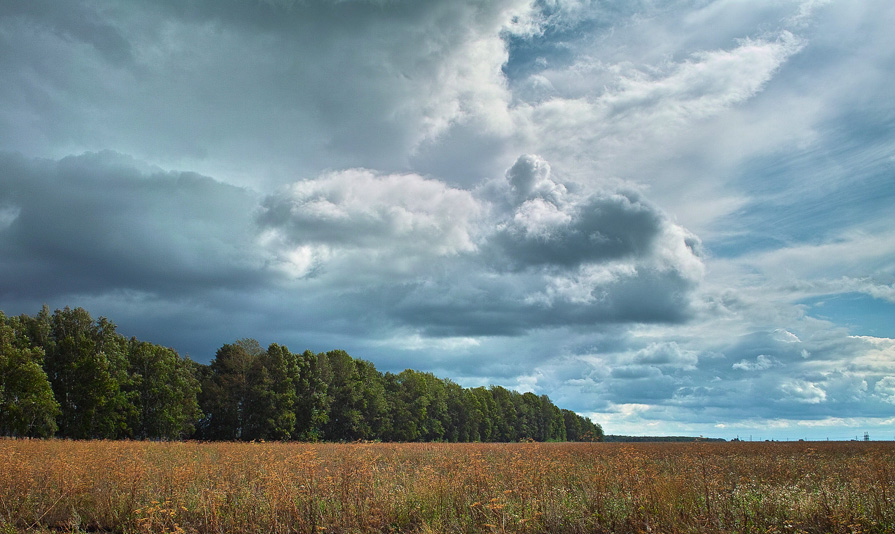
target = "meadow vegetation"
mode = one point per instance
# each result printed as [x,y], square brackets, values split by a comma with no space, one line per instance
[133,486]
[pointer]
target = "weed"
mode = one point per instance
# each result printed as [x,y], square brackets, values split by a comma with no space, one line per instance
[467,488]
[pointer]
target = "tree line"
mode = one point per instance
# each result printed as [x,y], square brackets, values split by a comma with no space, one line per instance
[612,438]
[65,374]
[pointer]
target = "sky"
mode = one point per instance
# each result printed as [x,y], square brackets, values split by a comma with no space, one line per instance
[673,217]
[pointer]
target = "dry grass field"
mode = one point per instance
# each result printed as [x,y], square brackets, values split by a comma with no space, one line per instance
[563,488]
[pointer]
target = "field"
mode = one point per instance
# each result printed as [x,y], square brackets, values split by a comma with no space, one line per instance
[528,487]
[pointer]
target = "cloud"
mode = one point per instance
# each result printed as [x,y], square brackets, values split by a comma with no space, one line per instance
[391,219]
[99,222]
[529,179]
[75,23]
[866,285]
[885,389]
[504,259]
[599,228]
[666,354]
[762,362]
[547,225]
[564,258]
[625,104]
[704,84]
[791,277]
[422,254]
[8,215]
[252,89]
[803,391]
[845,386]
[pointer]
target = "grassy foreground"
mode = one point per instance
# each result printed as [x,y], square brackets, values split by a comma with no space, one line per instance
[293,487]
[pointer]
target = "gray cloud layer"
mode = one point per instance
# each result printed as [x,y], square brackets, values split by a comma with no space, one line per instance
[249,86]
[417,250]
[97,223]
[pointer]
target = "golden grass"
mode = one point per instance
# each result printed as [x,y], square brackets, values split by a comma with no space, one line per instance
[333,488]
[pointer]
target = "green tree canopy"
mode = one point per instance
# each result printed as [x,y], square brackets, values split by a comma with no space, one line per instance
[68,374]
[162,390]
[27,405]
[227,391]
[86,364]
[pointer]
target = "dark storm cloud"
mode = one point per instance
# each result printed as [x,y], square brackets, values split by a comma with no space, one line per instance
[96,223]
[366,249]
[75,22]
[477,305]
[642,386]
[255,90]
[550,226]
[469,266]
[601,228]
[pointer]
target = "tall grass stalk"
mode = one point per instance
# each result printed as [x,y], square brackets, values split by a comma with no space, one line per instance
[463,488]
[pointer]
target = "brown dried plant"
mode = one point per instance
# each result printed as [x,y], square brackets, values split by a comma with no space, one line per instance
[466,488]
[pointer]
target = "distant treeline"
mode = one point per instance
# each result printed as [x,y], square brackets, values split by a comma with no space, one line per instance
[609,438]
[65,374]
